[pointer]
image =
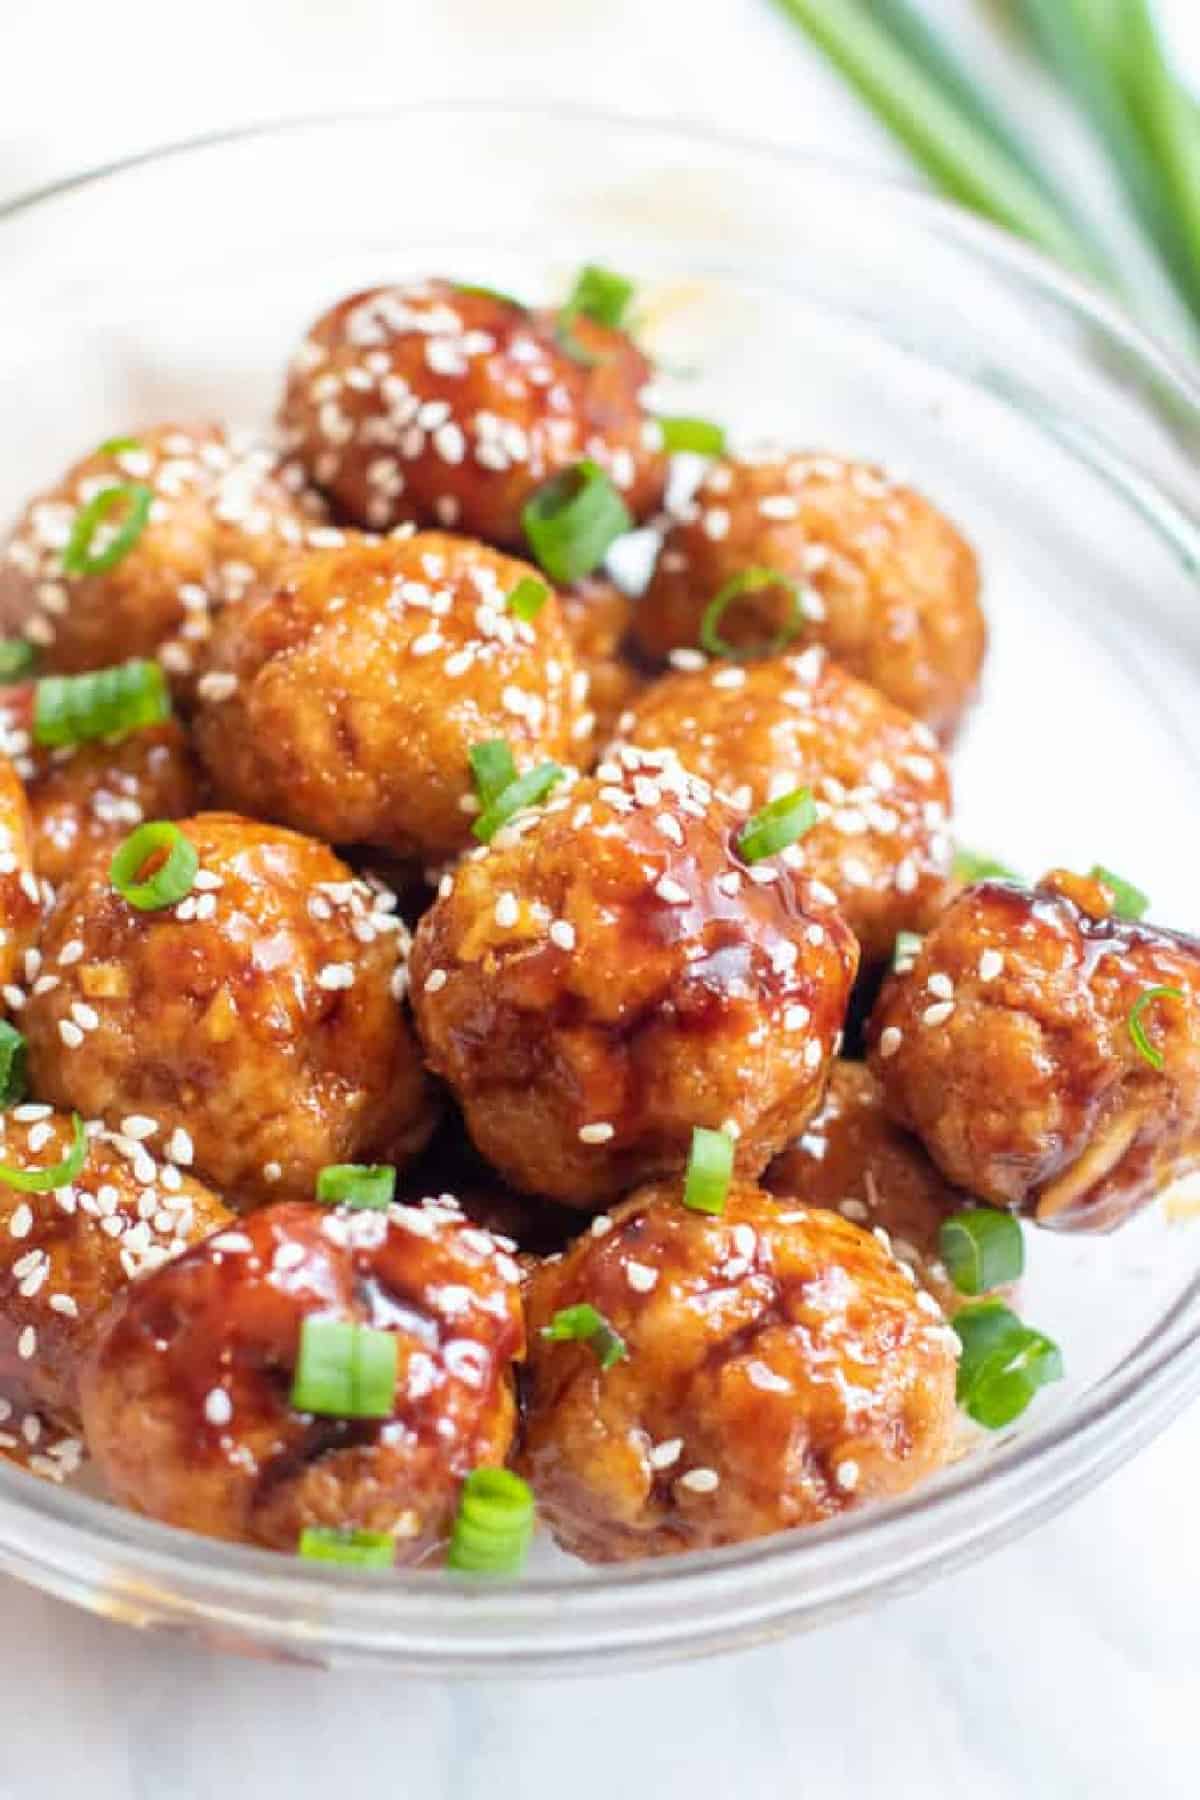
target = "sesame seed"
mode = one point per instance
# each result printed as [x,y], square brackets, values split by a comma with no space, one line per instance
[941,985]
[889,1040]
[599,1133]
[601,1225]
[27,1344]
[671,891]
[938,1013]
[179,1146]
[795,1018]
[335,975]
[700,1481]
[990,965]
[218,1407]
[641,1277]
[138,1126]
[663,1455]
[508,910]
[813,1053]
[435,981]
[70,1034]
[846,1475]
[563,934]
[21,1223]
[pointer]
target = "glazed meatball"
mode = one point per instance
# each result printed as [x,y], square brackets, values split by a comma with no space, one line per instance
[1032,1049]
[256,1023]
[187,1396]
[222,515]
[610,973]
[597,617]
[889,586]
[346,702]
[20,895]
[439,405]
[780,1367]
[881,788]
[66,1254]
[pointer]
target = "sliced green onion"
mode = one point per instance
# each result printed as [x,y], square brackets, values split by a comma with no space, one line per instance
[973,865]
[1137,1031]
[345,1371]
[488,293]
[527,790]
[751,581]
[368,1186]
[60,1174]
[906,949]
[12,1064]
[76,709]
[170,880]
[700,436]
[1131,903]
[777,825]
[982,1249]
[493,768]
[1003,1363]
[353,1549]
[572,519]
[494,1525]
[709,1170]
[584,1324]
[600,295]
[114,446]
[77,558]
[17,658]
[528,598]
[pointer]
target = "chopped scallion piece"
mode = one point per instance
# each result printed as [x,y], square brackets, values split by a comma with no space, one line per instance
[600,295]
[58,1175]
[105,703]
[751,581]
[1137,1031]
[170,879]
[982,1248]
[709,1170]
[78,558]
[115,445]
[906,949]
[493,767]
[584,1324]
[774,826]
[17,658]
[973,865]
[572,520]
[368,1186]
[527,790]
[700,436]
[12,1064]
[353,1549]
[1131,903]
[494,1525]
[528,598]
[1003,1363]
[344,1371]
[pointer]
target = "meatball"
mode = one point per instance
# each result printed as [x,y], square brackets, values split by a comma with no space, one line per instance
[610,973]
[881,789]
[20,895]
[346,702]
[597,618]
[68,1253]
[187,1395]
[255,1024]
[780,1367]
[1032,1049]
[889,586]
[221,516]
[442,405]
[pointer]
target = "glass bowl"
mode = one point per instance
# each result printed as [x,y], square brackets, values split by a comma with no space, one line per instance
[791,299]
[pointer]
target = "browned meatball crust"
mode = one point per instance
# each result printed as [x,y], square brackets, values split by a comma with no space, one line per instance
[892,589]
[610,973]
[20,895]
[1009,1048]
[433,404]
[257,1022]
[346,702]
[187,1396]
[780,1368]
[881,789]
[65,1255]
[223,515]
[597,618]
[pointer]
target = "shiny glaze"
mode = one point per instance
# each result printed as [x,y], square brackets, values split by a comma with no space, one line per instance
[20,898]
[597,617]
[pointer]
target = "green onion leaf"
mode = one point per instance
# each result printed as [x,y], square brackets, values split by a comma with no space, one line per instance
[777,825]
[60,1174]
[527,790]
[488,293]
[12,1064]
[982,1248]
[17,658]
[170,880]
[106,703]
[494,1525]
[353,1549]
[78,557]
[600,295]
[905,950]
[367,1186]
[700,436]
[493,768]
[114,446]
[709,1170]
[1003,1363]
[345,1371]
[974,865]
[1131,903]
[585,1325]
[528,598]
[572,520]
[751,581]
[1137,1031]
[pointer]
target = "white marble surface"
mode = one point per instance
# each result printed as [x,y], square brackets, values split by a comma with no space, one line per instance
[1066,1666]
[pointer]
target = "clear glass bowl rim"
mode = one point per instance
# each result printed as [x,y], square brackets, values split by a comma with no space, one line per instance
[114,1561]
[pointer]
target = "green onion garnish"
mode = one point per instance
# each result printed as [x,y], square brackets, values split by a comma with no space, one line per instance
[700,436]
[584,1324]
[353,1549]
[572,519]
[488,293]
[12,1064]
[906,949]
[982,1248]
[114,446]
[528,598]
[973,865]
[529,789]
[60,1174]
[16,659]
[77,558]
[345,1371]
[493,768]
[750,581]
[368,1186]
[1137,1030]
[600,295]
[1131,903]
[169,881]
[709,1169]
[777,825]
[494,1525]
[1003,1363]
[76,709]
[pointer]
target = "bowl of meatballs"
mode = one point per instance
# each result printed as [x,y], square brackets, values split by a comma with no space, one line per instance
[599,1029]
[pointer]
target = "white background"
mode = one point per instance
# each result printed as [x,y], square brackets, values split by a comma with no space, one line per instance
[1066,1667]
